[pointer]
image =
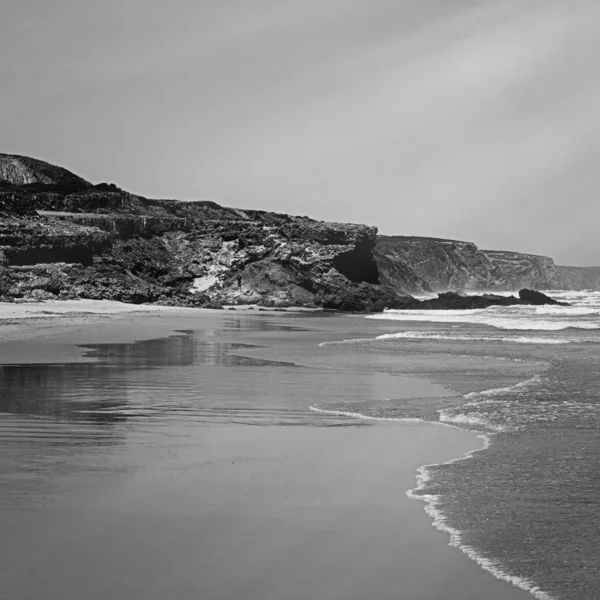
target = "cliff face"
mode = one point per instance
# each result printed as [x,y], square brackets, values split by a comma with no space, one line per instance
[60,238]
[418,264]
[516,270]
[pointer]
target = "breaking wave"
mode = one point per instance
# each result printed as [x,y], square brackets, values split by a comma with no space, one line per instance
[499,319]
[432,502]
[432,335]
[440,522]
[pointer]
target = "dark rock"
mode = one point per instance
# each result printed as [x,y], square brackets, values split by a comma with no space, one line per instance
[537,298]
[454,301]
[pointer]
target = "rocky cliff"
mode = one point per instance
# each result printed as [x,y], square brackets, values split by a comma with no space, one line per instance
[516,270]
[62,237]
[420,264]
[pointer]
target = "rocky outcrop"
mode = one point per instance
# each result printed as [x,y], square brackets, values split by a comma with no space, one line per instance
[454,301]
[63,237]
[536,298]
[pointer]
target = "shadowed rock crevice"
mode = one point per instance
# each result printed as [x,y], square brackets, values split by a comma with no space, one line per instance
[358,265]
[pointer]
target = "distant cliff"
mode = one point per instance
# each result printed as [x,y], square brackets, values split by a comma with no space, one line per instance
[62,237]
[420,264]
[516,270]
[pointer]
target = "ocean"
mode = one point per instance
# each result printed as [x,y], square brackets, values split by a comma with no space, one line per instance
[527,507]
[525,504]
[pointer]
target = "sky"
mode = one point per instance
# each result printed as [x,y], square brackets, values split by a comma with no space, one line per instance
[474,120]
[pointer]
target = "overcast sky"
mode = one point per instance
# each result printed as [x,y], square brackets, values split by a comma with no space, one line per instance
[468,119]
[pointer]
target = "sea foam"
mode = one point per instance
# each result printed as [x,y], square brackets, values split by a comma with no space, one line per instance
[497,319]
[434,335]
[440,522]
[432,503]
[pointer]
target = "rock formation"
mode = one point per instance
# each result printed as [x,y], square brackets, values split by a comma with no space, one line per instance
[515,270]
[454,301]
[62,237]
[421,264]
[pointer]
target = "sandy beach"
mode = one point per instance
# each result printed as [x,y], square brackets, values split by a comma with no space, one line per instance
[175,509]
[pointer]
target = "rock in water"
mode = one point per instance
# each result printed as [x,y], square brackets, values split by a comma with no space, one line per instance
[537,298]
[454,301]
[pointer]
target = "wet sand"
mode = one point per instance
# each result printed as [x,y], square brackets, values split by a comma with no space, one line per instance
[228,511]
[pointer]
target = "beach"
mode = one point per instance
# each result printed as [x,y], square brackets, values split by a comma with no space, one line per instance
[118,482]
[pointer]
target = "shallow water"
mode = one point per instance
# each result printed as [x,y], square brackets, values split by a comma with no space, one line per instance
[528,507]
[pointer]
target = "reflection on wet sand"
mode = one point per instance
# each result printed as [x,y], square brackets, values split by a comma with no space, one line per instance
[60,421]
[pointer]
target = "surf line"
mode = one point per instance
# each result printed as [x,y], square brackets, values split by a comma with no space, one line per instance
[432,501]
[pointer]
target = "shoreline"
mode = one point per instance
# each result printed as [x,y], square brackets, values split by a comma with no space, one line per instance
[439,520]
[88,327]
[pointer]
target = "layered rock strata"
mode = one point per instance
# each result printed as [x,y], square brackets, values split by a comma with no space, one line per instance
[421,264]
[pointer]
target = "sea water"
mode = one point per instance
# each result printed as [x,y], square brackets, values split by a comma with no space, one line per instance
[527,506]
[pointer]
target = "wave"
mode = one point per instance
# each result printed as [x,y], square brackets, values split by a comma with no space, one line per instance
[445,423]
[440,522]
[432,502]
[473,419]
[565,310]
[428,335]
[362,417]
[535,380]
[496,319]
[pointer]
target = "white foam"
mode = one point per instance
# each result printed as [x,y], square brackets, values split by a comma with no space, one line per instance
[357,415]
[432,335]
[350,341]
[440,522]
[564,310]
[432,502]
[476,419]
[519,320]
[504,390]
